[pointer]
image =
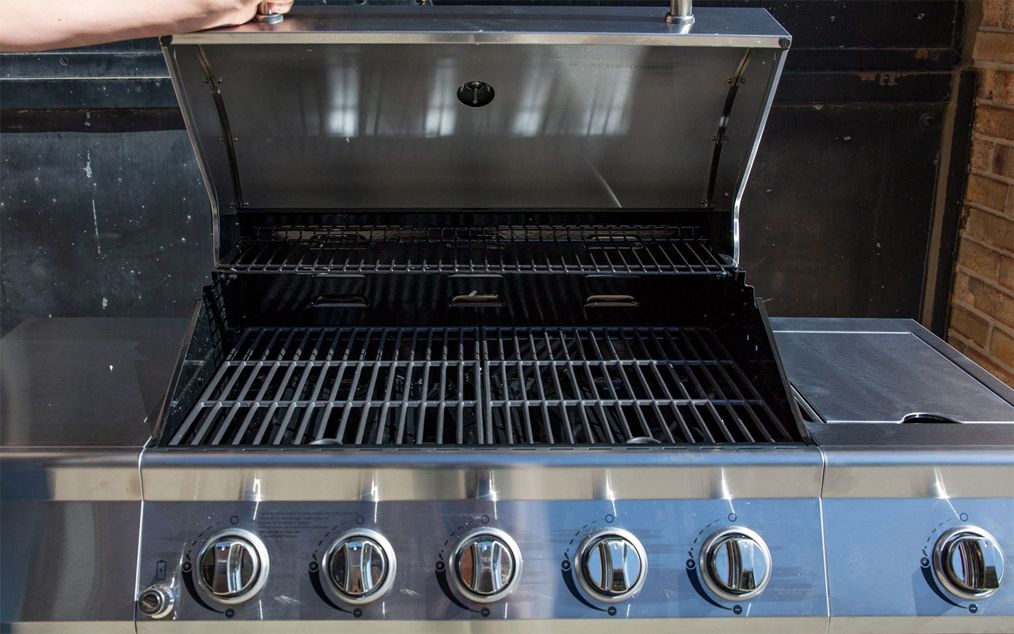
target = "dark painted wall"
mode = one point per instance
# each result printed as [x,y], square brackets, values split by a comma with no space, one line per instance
[102,212]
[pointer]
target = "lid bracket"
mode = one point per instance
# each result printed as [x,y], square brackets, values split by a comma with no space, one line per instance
[223,116]
[723,123]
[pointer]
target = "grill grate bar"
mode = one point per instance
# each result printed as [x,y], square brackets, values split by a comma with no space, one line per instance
[574,385]
[751,388]
[609,383]
[318,386]
[479,386]
[714,386]
[505,249]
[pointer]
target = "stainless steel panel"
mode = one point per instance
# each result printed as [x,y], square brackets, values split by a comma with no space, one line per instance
[570,474]
[424,533]
[380,126]
[84,382]
[883,376]
[878,560]
[68,533]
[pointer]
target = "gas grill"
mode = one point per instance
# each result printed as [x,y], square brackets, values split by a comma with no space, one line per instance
[477,352]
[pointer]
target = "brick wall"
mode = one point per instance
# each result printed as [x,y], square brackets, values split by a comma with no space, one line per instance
[982,303]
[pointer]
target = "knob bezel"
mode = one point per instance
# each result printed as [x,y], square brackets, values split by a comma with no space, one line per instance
[940,565]
[466,541]
[705,567]
[590,542]
[382,588]
[166,601]
[262,570]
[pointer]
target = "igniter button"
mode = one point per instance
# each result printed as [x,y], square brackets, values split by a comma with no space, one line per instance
[157,601]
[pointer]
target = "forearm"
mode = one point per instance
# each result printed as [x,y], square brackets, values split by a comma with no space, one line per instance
[30,25]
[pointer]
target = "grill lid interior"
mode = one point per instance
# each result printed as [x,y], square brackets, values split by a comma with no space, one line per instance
[385,108]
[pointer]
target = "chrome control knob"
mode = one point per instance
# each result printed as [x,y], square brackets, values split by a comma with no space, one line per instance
[232,566]
[486,565]
[157,601]
[968,562]
[360,566]
[613,565]
[735,563]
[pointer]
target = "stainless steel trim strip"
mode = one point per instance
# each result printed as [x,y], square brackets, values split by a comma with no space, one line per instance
[475,38]
[754,625]
[71,475]
[457,475]
[921,624]
[712,27]
[69,627]
[897,473]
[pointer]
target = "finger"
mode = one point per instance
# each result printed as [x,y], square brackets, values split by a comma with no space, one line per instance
[279,7]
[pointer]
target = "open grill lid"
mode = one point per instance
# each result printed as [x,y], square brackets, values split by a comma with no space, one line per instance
[500,108]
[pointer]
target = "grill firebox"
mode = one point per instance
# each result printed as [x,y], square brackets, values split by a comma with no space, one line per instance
[425,347]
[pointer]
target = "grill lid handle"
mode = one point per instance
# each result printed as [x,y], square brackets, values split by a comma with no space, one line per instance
[266,16]
[680,12]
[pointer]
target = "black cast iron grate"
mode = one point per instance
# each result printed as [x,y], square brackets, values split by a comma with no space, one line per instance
[505,249]
[479,386]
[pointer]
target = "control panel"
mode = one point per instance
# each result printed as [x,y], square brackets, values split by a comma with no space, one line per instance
[919,557]
[238,561]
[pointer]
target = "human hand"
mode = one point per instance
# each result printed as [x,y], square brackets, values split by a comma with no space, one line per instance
[36,25]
